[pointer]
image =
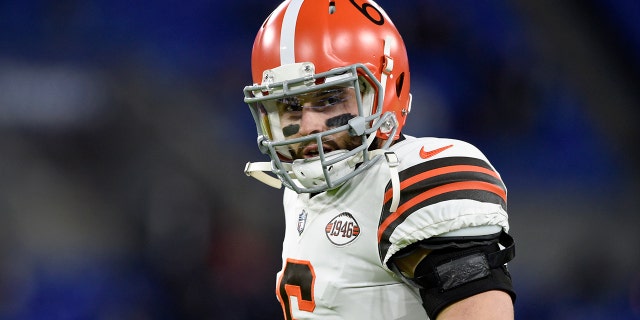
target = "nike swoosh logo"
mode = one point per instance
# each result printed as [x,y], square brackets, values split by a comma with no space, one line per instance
[428,154]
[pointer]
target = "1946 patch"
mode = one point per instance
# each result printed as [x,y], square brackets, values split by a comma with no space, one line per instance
[342,229]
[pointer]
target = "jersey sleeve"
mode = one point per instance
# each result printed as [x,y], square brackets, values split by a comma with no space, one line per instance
[446,185]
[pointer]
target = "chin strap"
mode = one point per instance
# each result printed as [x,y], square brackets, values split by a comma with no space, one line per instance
[393,162]
[258,170]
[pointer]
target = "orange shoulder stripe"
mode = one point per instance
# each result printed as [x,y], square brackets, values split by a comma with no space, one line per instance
[436,172]
[455,186]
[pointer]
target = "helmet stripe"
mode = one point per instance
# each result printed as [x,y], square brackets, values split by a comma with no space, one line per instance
[287,33]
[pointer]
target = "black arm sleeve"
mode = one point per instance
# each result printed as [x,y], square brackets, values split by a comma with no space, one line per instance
[460,268]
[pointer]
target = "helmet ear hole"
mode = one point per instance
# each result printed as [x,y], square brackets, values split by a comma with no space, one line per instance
[399,83]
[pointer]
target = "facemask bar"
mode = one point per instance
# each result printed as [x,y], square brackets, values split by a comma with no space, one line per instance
[362,125]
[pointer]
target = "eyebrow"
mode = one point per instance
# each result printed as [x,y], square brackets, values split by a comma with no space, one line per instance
[324,94]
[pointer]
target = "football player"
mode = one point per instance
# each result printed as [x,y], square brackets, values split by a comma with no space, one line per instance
[379,224]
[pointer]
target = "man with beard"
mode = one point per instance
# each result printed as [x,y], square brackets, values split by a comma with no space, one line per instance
[379,224]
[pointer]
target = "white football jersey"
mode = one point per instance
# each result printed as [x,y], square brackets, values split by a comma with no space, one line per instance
[337,243]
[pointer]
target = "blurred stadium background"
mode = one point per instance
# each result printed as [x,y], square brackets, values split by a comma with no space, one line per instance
[123,137]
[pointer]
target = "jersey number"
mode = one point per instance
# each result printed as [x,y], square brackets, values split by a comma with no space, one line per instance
[377,18]
[297,280]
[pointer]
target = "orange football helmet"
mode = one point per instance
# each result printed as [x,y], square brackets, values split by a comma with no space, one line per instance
[306,46]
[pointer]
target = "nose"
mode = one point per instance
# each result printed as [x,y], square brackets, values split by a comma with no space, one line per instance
[312,121]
